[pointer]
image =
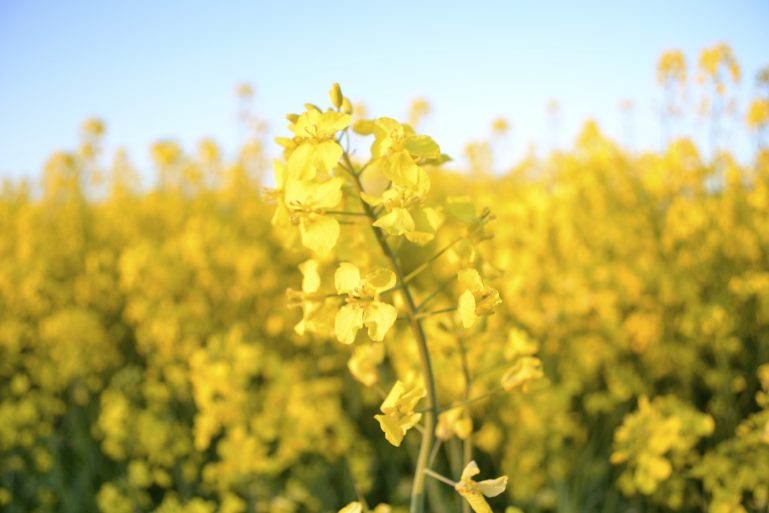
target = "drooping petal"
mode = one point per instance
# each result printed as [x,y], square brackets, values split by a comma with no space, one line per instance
[326,194]
[493,487]
[379,318]
[348,321]
[392,428]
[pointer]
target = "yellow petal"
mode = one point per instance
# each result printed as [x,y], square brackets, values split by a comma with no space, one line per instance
[467,309]
[364,361]
[332,122]
[299,165]
[310,276]
[326,155]
[319,233]
[524,370]
[397,222]
[392,429]
[379,317]
[461,207]
[346,278]
[381,279]
[353,507]
[423,146]
[372,200]
[493,487]
[470,470]
[348,321]
[471,280]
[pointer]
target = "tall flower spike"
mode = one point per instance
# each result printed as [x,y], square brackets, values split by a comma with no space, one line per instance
[476,492]
[398,409]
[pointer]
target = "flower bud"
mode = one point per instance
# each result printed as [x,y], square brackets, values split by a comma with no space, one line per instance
[336,95]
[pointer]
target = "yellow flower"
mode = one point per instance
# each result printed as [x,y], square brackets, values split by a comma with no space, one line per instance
[307,202]
[454,422]
[364,361]
[523,371]
[477,299]
[317,313]
[394,151]
[475,492]
[519,344]
[362,307]
[405,215]
[316,148]
[398,408]
[758,113]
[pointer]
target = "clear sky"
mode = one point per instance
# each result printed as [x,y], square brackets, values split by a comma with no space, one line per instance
[163,69]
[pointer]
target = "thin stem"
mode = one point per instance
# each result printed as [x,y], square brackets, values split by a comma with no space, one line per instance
[422,315]
[346,213]
[432,259]
[434,453]
[437,291]
[471,400]
[418,487]
[467,443]
[442,479]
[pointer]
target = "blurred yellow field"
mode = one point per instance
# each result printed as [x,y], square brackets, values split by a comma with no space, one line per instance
[365,325]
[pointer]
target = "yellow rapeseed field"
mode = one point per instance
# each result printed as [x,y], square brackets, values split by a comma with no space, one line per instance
[381,331]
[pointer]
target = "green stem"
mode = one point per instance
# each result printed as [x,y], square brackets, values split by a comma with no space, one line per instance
[428,434]
[346,213]
[435,293]
[422,315]
[432,259]
[467,443]
[439,477]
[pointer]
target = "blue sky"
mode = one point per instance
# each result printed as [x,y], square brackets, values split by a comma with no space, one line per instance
[157,70]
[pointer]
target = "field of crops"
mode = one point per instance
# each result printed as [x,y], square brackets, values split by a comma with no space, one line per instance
[364,326]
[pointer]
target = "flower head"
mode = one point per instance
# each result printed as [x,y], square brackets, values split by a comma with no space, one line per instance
[363,307]
[398,409]
[475,492]
[477,299]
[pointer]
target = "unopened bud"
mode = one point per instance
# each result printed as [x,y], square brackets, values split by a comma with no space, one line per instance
[336,95]
[346,106]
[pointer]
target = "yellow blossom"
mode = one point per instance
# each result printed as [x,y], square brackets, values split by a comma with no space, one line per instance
[524,370]
[455,421]
[362,306]
[398,409]
[364,361]
[477,298]
[475,493]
